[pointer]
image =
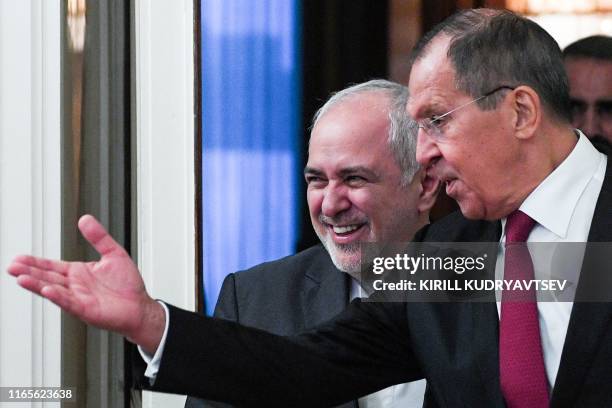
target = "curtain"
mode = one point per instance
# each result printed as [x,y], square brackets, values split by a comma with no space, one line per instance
[250,135]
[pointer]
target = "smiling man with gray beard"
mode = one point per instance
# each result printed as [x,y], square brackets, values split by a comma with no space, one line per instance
[363,179]
[364,185]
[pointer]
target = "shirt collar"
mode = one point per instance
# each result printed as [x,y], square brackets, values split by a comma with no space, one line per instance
[552,203]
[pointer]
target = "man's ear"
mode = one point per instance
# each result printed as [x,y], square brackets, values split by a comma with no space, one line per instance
[528,111]
[429,191]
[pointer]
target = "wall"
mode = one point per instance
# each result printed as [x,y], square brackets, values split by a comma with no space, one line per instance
[30,185]
[164,125]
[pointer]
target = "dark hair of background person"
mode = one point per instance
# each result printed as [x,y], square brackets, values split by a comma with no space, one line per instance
[596,47]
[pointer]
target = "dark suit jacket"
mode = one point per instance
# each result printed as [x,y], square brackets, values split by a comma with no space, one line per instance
[373,345]
[285,297]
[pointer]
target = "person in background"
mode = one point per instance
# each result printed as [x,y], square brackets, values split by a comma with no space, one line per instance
[362,148]
[588,63]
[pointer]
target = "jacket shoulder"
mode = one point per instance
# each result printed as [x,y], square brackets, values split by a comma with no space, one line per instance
[289,267]
[271,296]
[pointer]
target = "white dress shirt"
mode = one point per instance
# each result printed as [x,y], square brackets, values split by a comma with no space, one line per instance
[562,206]
[407,395]
[154,361]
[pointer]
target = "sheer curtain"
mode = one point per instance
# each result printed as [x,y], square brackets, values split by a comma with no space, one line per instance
[250,131]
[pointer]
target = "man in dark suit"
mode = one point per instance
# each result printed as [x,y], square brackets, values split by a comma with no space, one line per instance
[357,135]
[491,97]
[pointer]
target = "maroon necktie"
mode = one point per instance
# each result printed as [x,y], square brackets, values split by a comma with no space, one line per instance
[521,363]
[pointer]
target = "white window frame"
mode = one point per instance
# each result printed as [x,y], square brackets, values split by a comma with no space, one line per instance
[30,181]
[165,177]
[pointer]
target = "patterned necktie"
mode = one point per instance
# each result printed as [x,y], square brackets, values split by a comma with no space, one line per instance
[521,363]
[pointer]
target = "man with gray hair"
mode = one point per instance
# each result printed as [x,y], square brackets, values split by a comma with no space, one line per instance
[364,185]
[588,63]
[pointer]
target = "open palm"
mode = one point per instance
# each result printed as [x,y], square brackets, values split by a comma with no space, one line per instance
[109,293]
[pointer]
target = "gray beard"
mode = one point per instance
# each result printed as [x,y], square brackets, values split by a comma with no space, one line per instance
[352,268]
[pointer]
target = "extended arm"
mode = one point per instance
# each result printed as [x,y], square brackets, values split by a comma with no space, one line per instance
[364,349]
[108,294]
[226,308]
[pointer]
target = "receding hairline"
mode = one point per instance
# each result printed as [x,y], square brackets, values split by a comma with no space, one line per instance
[400,127]
[441,31]
[493,47]
[360,97]
[377,110]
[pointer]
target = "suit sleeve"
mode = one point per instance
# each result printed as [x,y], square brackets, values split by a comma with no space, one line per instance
[365,349]
[226,308]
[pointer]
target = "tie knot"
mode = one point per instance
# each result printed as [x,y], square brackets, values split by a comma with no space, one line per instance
[518,226]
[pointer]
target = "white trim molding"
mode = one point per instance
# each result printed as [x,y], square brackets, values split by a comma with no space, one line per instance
[30,181]
[164,105]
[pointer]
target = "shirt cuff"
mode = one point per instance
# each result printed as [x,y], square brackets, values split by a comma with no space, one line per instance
[153,361]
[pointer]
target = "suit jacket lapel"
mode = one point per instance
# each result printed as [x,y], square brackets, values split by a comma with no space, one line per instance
[485,324]
[325,295]
[588,320]
[484,327]
[325,292]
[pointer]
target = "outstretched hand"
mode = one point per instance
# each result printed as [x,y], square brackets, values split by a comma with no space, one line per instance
[109,294]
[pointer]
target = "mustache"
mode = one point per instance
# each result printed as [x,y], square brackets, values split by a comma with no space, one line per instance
[343,219]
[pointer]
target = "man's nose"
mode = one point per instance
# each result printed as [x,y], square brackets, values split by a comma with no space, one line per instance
[335,200]
[591,124]
[427,149]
